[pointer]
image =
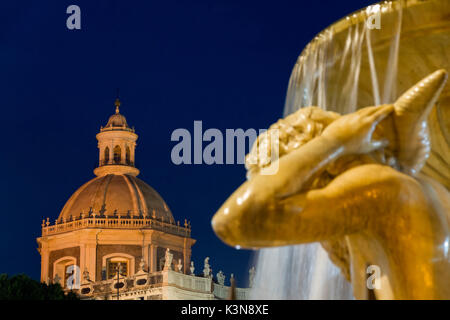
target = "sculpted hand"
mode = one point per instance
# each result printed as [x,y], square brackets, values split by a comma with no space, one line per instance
[354,131]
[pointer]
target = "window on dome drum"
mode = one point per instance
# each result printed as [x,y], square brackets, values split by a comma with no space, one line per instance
[113,265]
[106,156]
[64,270]
[117,154]
[127,155]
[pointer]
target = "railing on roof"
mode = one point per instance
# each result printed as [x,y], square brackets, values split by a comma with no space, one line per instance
[116,222]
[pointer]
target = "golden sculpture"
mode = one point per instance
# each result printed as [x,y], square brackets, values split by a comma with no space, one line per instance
[353,183]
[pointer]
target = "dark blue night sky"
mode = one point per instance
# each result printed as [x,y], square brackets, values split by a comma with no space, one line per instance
[226,63]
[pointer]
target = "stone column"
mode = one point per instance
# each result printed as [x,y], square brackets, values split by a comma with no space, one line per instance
[100,155]
[82,262]
[132,153]
[153,266]
[91,263]
[44,262]
[122,153]
[111,153]
[146,249]
[145,255]
[187,244]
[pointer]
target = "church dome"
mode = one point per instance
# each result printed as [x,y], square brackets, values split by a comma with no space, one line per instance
[116,194]
[117,120]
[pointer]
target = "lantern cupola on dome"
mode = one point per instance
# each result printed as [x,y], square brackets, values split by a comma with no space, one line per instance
[116,144]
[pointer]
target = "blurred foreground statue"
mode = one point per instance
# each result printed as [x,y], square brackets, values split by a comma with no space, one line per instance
[353,183]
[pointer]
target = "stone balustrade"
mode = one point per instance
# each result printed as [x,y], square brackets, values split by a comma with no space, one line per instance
[147,286]
[188,282]
[115,222]
[223,292]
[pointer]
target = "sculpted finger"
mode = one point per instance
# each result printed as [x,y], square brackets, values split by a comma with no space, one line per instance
[368,110]
[382,113]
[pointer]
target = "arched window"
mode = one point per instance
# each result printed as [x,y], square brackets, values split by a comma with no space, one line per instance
[117,154]
[117,264]
[65,272]
[127,155]
[122,262]
[106,156]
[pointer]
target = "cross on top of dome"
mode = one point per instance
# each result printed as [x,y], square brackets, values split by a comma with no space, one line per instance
[117,104]
[117,121]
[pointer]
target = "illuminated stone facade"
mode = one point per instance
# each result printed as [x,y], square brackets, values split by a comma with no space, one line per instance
[115,230]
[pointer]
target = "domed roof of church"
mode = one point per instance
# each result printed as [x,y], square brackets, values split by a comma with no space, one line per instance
[117,119]
[119,194]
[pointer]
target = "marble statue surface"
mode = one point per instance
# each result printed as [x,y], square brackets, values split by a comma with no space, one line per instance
[353,183]
[168,260]
[206,268]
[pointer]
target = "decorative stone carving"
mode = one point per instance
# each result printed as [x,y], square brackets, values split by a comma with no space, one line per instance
[179,266]
[206,268]
[220,278]
[86,277]
[141,265]
[192,268]
[56,279]
[140,278]
[168,260]
[251,276]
